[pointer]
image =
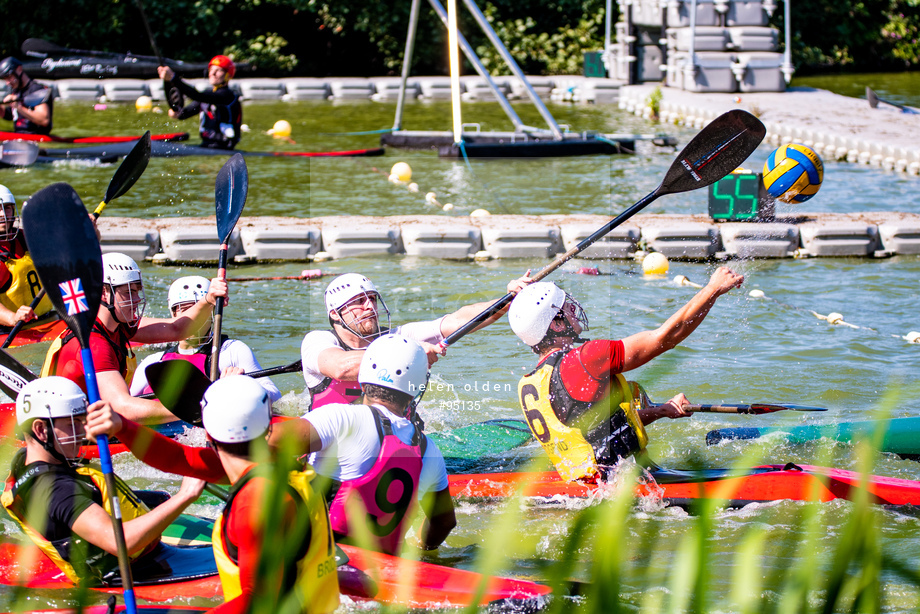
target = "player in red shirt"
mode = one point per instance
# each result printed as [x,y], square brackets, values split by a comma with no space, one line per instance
[120,321]
[584,413]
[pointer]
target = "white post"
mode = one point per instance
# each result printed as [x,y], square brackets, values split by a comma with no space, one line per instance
[454,68]
[787,68]
[607,55]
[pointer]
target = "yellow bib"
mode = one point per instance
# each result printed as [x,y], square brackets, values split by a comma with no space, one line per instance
[317,585]
[24,286]
[131,508]
[566,445]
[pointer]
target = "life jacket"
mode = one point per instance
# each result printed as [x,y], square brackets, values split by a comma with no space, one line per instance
[16,506]
[220,125]
[332,390]
[127,361]
[37,94]
[24,284]
[606,431]
[386,506]
[314,575]
[201,358]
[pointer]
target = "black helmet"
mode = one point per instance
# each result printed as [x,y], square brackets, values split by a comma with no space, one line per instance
[8,66]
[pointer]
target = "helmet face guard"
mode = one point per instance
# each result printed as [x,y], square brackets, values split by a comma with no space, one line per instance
[574,308]
[131,307]
[9,224]
[374,314]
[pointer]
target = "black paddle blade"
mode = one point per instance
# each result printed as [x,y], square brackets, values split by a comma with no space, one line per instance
[716,151]
[871,97]
[66,253]
[40,48]
[230,195]
[18,153]
[132,167]
[180,386]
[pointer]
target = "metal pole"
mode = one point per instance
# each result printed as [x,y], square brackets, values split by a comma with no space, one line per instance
[480,69]
[787,54]
[607,8]
[407,62]
[454,69]
[500,47]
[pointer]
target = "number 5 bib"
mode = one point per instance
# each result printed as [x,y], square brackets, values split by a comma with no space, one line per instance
[386,492]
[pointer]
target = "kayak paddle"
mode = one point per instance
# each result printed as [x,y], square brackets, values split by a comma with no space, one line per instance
[753,409]
[716,151]
[874,100]
[18,153]
[173,96]
[230,191]
[129,171]
[180,388]
[179,385]
[68,259]
[41,48]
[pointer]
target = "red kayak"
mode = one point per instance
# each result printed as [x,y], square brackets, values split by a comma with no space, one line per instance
[367,576]
[759,484]
[50,138]
[45,330]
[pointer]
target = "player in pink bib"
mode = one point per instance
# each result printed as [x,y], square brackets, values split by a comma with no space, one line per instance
[373,454]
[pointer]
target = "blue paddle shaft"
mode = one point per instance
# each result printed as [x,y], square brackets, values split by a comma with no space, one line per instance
[105,459]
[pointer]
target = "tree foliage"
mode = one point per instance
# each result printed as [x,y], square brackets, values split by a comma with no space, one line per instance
[360,37]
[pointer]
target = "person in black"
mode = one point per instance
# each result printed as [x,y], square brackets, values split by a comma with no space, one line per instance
[28,105]
[220,109]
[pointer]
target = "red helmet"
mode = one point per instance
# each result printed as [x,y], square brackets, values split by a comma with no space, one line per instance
[225,63]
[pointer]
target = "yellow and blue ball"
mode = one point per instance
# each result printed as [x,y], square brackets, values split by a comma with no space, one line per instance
[793,173]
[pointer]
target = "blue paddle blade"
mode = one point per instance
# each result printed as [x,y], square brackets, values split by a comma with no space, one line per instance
[66,253]
[230,195]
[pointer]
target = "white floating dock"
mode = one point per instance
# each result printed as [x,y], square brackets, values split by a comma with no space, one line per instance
[686,237]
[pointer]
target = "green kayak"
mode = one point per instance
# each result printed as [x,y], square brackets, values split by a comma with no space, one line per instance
[902,435]
[482,446]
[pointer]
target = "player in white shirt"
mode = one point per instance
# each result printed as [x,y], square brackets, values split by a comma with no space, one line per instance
[331,358]
[372,451]
[235,356]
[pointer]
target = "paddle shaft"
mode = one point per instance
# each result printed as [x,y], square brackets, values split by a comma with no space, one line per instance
[218,314]
[311,274]
[105,459]
[555,264]
[291,368]
[18,326]
[167,86]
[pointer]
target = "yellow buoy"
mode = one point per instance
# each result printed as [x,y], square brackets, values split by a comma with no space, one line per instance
[479,213]
[655,263]
[281,129]
[143,103]
[403,171]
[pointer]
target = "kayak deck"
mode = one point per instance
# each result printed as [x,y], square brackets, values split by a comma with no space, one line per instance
[760,484]
[901,435]
[51,138]
[44,330]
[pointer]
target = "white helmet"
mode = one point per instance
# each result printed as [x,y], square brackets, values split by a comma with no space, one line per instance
[344,289]
[535,307]
[120,270]
[190,289]
[395,362]
[236,409]
[48,398]
[12,226]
